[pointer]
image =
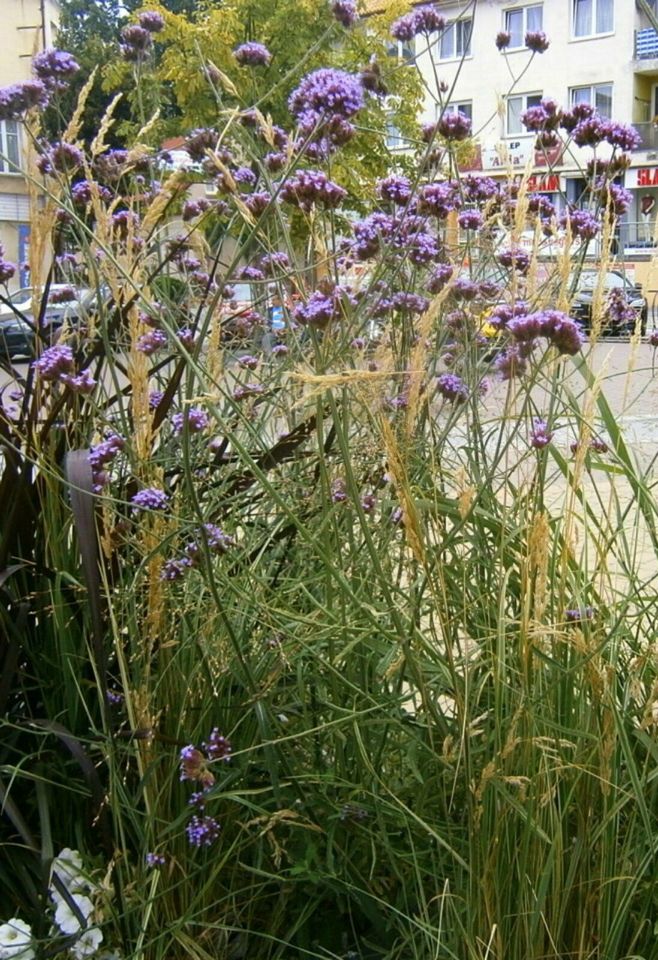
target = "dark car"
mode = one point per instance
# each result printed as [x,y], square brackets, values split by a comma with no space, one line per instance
[623,303]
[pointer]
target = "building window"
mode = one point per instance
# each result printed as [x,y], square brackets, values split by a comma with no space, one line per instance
[402,50]
[455,40]
[461,106]
[9,146]
[516,106]
[599,95]
[592,16]
[521,21]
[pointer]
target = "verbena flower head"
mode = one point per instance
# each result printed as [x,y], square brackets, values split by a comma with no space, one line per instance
[54,362]
[503,40]
[582,223]
[194,419]
[515,258]
[439,277]
[546,115]
[439,199]
[55,68]
[327,92]
[152,21]
[202,831]
[537,41]
[540,435]
[579,614]
[426,19]
[622,135]
[452,387]
[18,98]
[559,329]
[252,54]
[137,43]
[309,187]
[344,11]
[395,189]
[155,860]
[470,220]
[199,141]
[217,747]
[149,343]
[7,269]
[150,499]
[454,126]
[590,131]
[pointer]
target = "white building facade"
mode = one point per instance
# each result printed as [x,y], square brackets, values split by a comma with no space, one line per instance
[601,51]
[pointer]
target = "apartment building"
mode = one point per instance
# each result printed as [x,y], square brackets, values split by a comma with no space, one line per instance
[29,26]
[601,51]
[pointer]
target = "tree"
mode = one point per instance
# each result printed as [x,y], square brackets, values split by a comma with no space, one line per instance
[301,35]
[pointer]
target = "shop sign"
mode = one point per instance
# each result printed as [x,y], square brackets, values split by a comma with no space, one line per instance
[641,177]
[544,183]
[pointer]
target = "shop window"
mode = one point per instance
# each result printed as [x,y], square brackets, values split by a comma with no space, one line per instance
[599,95]
[9,146]
[523,20]
[516,106]
[591,17]
[455,40]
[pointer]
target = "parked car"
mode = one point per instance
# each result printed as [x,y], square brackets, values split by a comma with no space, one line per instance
[21,300]
[630,301]
[18,322]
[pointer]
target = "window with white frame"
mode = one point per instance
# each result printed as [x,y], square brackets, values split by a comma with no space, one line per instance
[599,95]
[402,49]
[455,40]
[394,139]
[516,106]
[10,146]
[591,17]
[460,106]
[523,20]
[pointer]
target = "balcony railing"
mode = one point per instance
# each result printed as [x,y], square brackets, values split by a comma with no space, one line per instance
[638,235]
[646,44]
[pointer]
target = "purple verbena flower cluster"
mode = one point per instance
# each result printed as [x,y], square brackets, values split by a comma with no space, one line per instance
[101,455]
[559,329]
[309,187]
[252,54]
[194,419]
[151,498]
[18,98]
[55,68]
[344,11]
[425,19]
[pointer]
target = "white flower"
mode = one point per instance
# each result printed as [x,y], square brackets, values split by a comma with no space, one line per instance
[68,867]
[66,919]
[16,940]
[87,944]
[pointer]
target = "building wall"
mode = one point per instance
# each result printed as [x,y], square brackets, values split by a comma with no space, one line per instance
[27,27]
[487,77]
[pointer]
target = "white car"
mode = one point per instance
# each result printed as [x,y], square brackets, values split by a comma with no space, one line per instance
[21,301]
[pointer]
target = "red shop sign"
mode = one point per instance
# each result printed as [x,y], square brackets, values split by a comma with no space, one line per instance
[546,183]
[646,177]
